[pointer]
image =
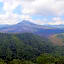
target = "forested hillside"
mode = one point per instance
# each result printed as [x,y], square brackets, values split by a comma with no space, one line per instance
[57,39]
[26,48]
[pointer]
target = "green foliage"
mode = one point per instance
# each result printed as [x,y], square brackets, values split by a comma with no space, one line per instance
[42,59]
[2,61]
[50,59]
[16,61]
[26,49]
[23,46]
[45,59]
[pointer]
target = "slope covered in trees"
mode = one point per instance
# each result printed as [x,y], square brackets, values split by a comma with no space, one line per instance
[27,48]
[57,39]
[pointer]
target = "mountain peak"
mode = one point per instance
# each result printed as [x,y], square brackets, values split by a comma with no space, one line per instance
[26,22]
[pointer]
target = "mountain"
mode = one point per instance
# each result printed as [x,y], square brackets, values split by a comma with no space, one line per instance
[61,26]
[26,26]
[22,42]
[3,26]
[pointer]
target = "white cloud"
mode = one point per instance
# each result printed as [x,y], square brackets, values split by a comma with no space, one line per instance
[39,22]
[56,21]
[6,19]
[32,7]
[43,7]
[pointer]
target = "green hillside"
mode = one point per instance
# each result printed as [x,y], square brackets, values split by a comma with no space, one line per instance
[58,42]
[57,39]
[28,48]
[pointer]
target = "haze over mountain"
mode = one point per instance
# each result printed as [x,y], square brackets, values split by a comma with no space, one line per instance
[27,26]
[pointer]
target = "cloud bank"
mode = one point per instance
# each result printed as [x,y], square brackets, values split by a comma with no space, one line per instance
[14,11]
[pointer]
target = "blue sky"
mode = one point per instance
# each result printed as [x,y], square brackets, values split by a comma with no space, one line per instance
[17,10]
[36,11]
[2,11]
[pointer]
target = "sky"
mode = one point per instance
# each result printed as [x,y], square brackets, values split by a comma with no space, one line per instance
[37,11]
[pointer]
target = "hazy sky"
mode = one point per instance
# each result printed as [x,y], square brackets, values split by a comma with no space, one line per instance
[37,11]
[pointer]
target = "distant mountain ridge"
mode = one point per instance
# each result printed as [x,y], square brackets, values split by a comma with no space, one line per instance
[27,26]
